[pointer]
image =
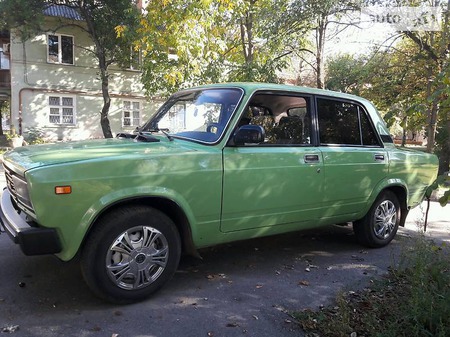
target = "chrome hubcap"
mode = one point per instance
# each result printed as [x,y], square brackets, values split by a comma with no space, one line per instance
[385,219]
[137,257]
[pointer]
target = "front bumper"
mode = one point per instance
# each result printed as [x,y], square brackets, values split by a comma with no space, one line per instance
[32,240]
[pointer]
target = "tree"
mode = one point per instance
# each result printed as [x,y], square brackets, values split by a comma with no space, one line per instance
[100,19]
[395,80]
[434,46]
[318,17]
[189,42]
[25,17]
[346,73]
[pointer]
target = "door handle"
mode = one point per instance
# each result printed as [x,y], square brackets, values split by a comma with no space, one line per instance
[311,158]
[379,157]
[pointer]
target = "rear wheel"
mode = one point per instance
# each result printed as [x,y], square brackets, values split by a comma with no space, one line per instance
[130,254]
[380,224]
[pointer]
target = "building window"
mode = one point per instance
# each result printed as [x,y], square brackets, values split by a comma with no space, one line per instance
[62,110]
[60,49]
[4,55]
[131,115]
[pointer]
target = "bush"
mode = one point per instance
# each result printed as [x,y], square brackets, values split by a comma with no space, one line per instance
[411,301]
[35,136]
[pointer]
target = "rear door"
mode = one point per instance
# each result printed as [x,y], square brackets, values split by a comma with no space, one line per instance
[353,157]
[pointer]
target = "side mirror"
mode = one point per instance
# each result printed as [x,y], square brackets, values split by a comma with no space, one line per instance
[249,134]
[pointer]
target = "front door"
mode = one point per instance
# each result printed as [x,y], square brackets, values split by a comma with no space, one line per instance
[280,181]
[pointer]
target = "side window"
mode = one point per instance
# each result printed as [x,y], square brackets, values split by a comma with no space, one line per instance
[343,123]
[368,134]
[60,49]
[286,119]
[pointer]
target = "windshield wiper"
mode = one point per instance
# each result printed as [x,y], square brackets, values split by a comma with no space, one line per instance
[164,131]
[143,137]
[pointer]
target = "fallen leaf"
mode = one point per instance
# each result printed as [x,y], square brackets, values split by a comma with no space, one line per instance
[255,317]
[10,328]
[259,286]
[215,276]
[303,283]
[307,269]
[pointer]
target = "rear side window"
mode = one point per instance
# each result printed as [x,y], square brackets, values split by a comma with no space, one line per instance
[344,123]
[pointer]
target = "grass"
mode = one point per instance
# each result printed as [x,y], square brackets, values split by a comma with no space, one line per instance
[412,300]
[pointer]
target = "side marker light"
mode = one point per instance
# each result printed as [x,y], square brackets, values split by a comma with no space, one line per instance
[63,189]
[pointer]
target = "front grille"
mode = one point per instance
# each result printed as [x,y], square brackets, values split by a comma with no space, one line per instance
[19,201]
[9,180]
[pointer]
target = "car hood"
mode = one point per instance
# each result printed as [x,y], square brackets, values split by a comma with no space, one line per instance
[28,157]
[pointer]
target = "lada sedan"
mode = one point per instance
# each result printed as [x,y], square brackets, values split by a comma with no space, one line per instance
[215,164]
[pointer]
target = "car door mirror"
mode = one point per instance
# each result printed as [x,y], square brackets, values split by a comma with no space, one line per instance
[249,134]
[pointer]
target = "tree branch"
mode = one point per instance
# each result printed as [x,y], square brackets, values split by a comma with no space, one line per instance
[425,46]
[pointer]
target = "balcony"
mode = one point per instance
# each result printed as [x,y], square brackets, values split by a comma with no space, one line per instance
[5,78]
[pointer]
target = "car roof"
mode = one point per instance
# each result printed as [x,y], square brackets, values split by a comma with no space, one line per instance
[250,87]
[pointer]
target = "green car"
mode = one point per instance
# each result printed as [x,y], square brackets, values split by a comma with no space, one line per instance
[215,164]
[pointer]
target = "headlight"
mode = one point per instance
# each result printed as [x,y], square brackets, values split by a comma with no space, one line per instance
[21,192]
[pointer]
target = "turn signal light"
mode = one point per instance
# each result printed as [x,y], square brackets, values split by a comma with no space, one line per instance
[63,189]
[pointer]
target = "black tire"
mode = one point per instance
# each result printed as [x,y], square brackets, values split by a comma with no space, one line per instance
[380,224]
[130,253]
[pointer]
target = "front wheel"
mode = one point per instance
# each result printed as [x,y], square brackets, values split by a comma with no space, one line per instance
[130,253]
[380,224]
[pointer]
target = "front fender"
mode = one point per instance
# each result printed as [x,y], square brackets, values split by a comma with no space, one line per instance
[112,199]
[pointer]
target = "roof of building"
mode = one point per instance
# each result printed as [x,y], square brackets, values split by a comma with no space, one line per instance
[63,11]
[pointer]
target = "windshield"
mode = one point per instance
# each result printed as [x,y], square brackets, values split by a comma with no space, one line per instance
[200,115]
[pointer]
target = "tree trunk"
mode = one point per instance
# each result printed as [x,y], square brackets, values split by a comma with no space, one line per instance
[100,53]
[404,126]
[246,27]
[104,121]
[444,160]
[320,44]
[432,113]
[431,127]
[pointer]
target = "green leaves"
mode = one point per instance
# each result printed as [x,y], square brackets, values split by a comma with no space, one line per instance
[195,42]
[24,16]
[442,182]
